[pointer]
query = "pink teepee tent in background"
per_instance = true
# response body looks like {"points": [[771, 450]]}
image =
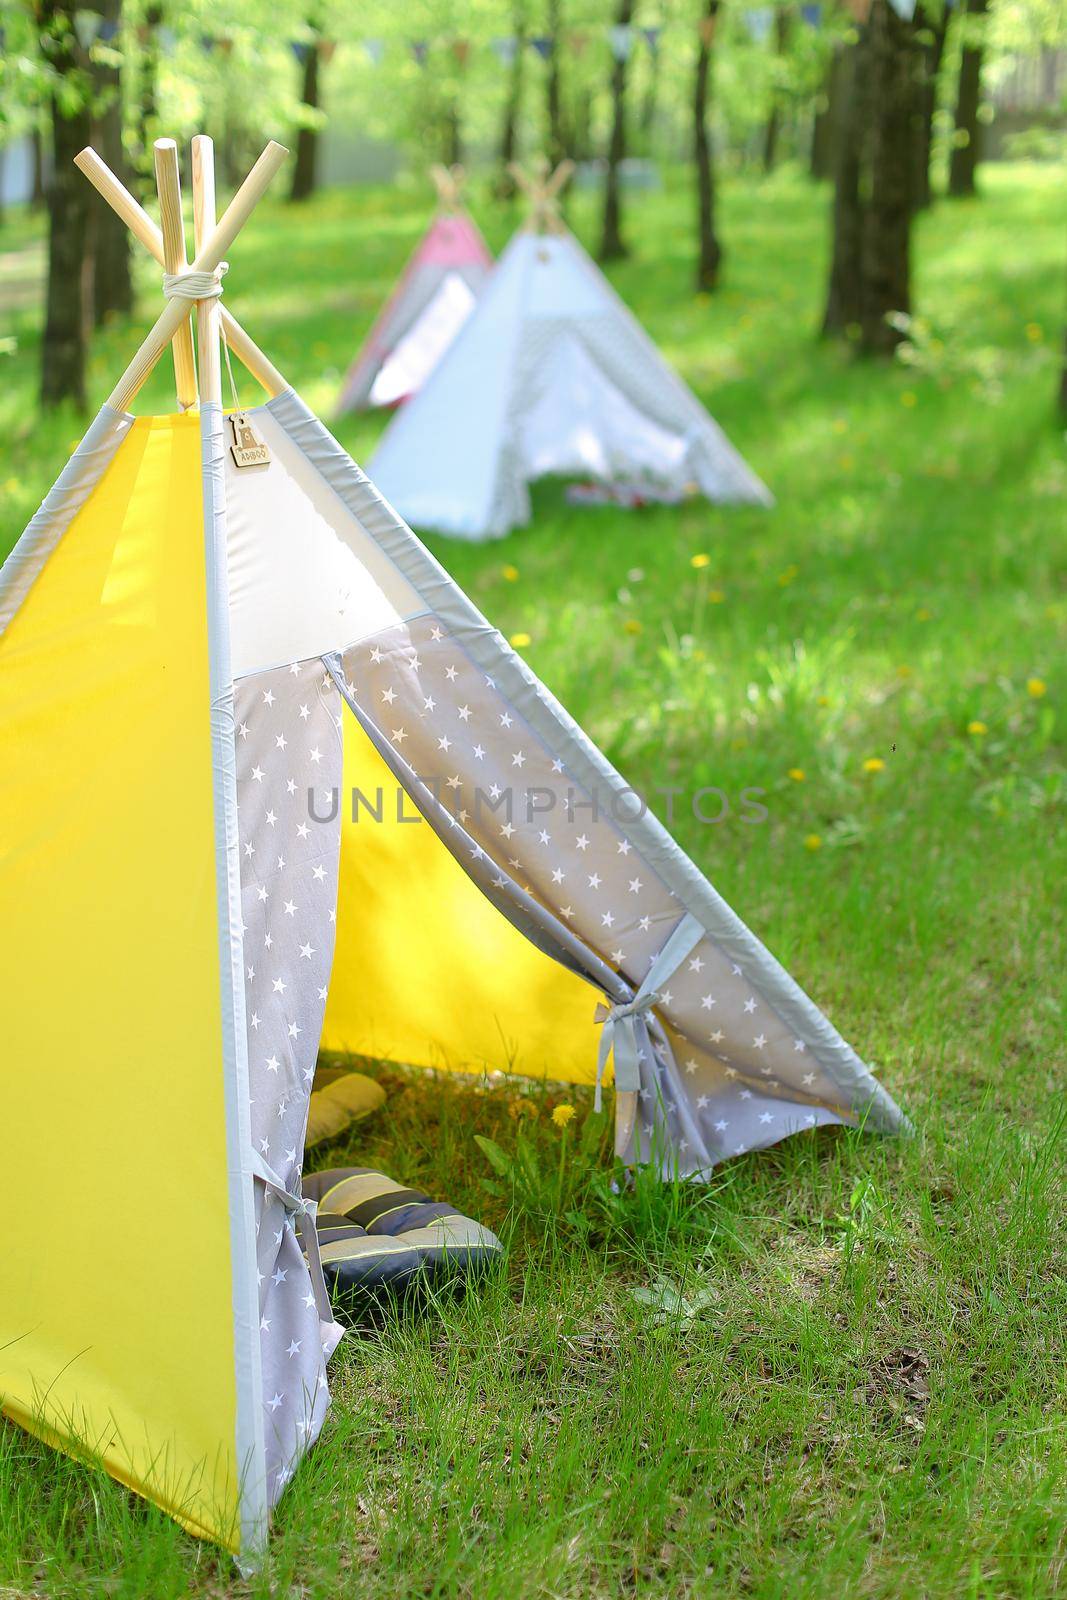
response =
{"points": [[426, 310]]}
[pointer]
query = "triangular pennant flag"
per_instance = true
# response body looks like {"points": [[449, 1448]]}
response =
{"points": [[207, 43], [621, 40], [505, 49], [108, 31], [651, 38], [168, 40], [578, 41], [86, 27], [301, 50], [420, 49], [706, 29], [327, 50], [905, 9], [543, 45], [461, 49], [812, 15], [375, 49], [758, 21]]}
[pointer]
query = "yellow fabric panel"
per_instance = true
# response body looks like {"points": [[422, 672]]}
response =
{"points": [[426, 970], [115, 1274]]}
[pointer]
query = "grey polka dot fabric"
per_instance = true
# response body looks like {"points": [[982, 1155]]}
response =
{"points": [[288, 769], [723, 1074]]}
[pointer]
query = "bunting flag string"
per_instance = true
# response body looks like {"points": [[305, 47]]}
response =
{"points": [[621, 38]]}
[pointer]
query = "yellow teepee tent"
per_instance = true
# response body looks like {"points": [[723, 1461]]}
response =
{"points": [[270, 778]]}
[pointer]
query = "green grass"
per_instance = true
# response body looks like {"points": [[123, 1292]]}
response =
{"points": [[864, 1397]]}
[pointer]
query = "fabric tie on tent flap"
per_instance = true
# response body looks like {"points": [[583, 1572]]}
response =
{"points": [[303, 1210], [187, 285], [620, 1022]]}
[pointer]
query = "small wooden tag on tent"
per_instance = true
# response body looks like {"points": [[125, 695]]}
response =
{"points": [[246, 447]]}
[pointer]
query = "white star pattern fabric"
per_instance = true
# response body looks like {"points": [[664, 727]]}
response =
{"points": [[288, 771], [720, 1071]]}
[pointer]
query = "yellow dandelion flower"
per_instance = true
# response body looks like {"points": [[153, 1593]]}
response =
{"points": [[716, 596], [903, 672], [521, 1108], [922, 615], [797, 774], [874, 764], [1036, 687], [977, 728], [1035, 332], [813, 841], [702, 559], [846, 463], [562, 1115], [909, 398], [11, 485], [822, 700], [839, 425], [788, 575], [510, 573], [632, 625], [520, 640]]}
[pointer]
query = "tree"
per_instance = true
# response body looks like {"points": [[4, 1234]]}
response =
{"points": [[966, 152], [783, 27], [709, 250], [555, 137], [509, 127], [870, 271], [307, 138], [64, 343], [612, 245], [827, 113], [931, 24], [147, 94], [844, 298], [886, 266], [109, 235]]}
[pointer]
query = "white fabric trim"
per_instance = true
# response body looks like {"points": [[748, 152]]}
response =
{"points": [[250, 1442]]}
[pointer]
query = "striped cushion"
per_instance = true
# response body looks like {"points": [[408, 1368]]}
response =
{"points": [[375, 1234]]}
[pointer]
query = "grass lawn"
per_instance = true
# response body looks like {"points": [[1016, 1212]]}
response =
{"points": [[853, 1384]]}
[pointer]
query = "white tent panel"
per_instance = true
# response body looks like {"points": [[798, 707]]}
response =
{"points": [[582, 423], [406, 369], [305, 577]]}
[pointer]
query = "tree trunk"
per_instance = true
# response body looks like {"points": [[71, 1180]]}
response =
{"points": [[452, 153], [38, 197], [307, 138], [887, 235], [844, 298], [650, 101], [147, 107], [966, 151], [509, 128], [824, 122], [930, 45], [112, 286], [709, 251], [612, 244], [772, 127], [63, 345], [556, 141]]}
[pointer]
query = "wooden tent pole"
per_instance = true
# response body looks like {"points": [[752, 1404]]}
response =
{"points": [[169, 189], [208, 321], [206, 260], [143, 228]]}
